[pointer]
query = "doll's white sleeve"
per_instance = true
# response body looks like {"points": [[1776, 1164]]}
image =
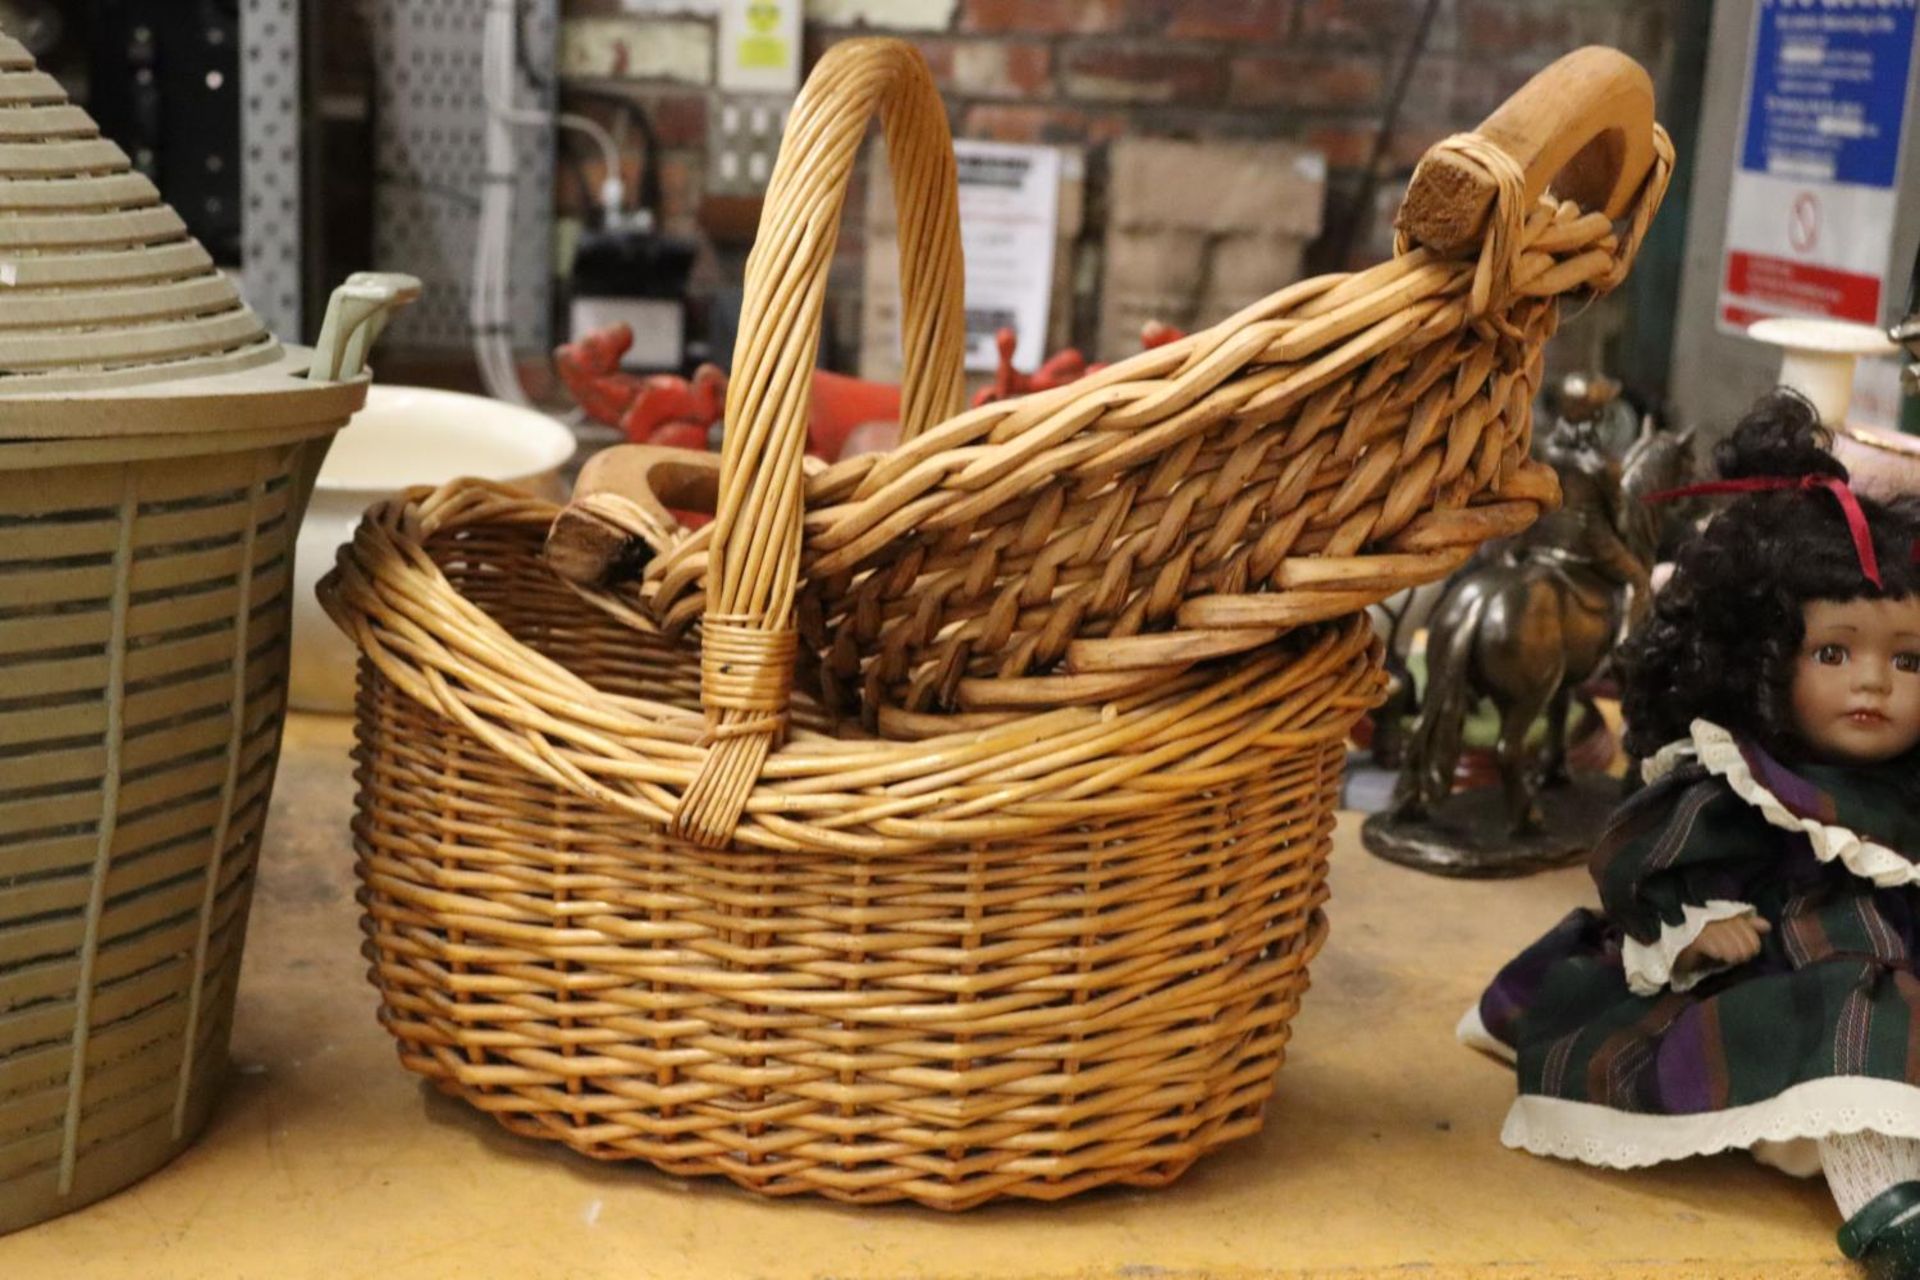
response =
{"points": [[1649, 965]]}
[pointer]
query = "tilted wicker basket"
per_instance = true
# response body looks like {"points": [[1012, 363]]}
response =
{"points": [[1343, 439], [676, 902]]}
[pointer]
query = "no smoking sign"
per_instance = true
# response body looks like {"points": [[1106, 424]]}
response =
{"points": [[1803, 222]]}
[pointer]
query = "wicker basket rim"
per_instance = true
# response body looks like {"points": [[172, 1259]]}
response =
{"points": [[393, 599], [741, 767]]}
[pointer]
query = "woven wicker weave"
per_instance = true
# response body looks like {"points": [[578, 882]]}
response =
{"points": [[1024, 961], [663, 901], [1346, 438]]}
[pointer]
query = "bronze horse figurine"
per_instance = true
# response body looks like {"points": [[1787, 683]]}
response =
{"points": [[1527, 623]]}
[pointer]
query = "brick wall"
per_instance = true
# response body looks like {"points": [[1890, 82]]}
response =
{"points": [[1084, 72]]}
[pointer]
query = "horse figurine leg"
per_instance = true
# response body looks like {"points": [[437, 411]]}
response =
{"points": [[1390, 718], [1433, 751], [1516, 774], [1553, 766], [1523, 661]]}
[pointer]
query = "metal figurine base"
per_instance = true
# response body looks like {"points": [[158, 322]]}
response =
{"points": [[1466, 834]]}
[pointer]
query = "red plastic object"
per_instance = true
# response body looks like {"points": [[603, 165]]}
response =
{"points": [[1059, 368], [1154, 334], [590, 366], [670, 410], [657, 409], [668, 403], [665, 409], [840, 404], [1056, 370], [680, 435]]}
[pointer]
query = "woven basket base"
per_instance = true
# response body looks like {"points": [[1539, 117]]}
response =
{"points": [[961, 1179], [1003, 1009]]}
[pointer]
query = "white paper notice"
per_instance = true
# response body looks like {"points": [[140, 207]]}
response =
{"points": [[1811, 210], [1009, 198]]}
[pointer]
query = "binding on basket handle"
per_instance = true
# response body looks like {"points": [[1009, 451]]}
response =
{"points": [[1583, 126], [748, 642]]}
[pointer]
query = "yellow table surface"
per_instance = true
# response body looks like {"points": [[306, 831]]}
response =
{"points": [[1380, 1155]]}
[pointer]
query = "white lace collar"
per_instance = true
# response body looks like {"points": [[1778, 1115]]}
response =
{"points": [[1718, 750]]}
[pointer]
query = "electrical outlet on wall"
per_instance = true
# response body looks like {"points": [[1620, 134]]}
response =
{"points": [[743, 137]]}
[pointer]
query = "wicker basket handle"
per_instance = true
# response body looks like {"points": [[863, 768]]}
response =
{"points": [[748, 643], [1583, 126]]}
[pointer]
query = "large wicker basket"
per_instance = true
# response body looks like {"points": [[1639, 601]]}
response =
{"points": [[157, 447], [664, 895]]}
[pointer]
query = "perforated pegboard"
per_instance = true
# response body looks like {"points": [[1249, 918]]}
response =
{"points": [[429, 160], [743, 140], [270, 248]]}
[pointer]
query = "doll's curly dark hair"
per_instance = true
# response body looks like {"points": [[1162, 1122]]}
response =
{"points": [[1725, 631]]}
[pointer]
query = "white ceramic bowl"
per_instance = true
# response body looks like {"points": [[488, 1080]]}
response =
{"points": [[405, 436]]}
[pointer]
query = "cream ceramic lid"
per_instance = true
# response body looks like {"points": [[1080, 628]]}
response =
{"points": [[100, 284]]}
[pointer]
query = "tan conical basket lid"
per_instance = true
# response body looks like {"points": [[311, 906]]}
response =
{"points": [[100, 284]]}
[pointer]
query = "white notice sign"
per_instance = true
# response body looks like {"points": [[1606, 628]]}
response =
{"points": [[1811, 209], [1009, 196]]}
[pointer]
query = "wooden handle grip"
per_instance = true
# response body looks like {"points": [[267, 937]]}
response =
{"points": [[1583, 128], [588, 547]]}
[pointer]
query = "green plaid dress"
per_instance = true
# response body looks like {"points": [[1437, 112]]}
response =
{"points": [[1621, 1063]]}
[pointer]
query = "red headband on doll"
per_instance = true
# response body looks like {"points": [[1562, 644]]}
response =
{"points": [[1849, 506]]}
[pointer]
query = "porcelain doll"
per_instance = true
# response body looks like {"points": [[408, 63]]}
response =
{"points": [[1751, 980]]}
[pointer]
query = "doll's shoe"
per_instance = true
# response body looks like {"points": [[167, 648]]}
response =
{"points": [[1885, 1234]]}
